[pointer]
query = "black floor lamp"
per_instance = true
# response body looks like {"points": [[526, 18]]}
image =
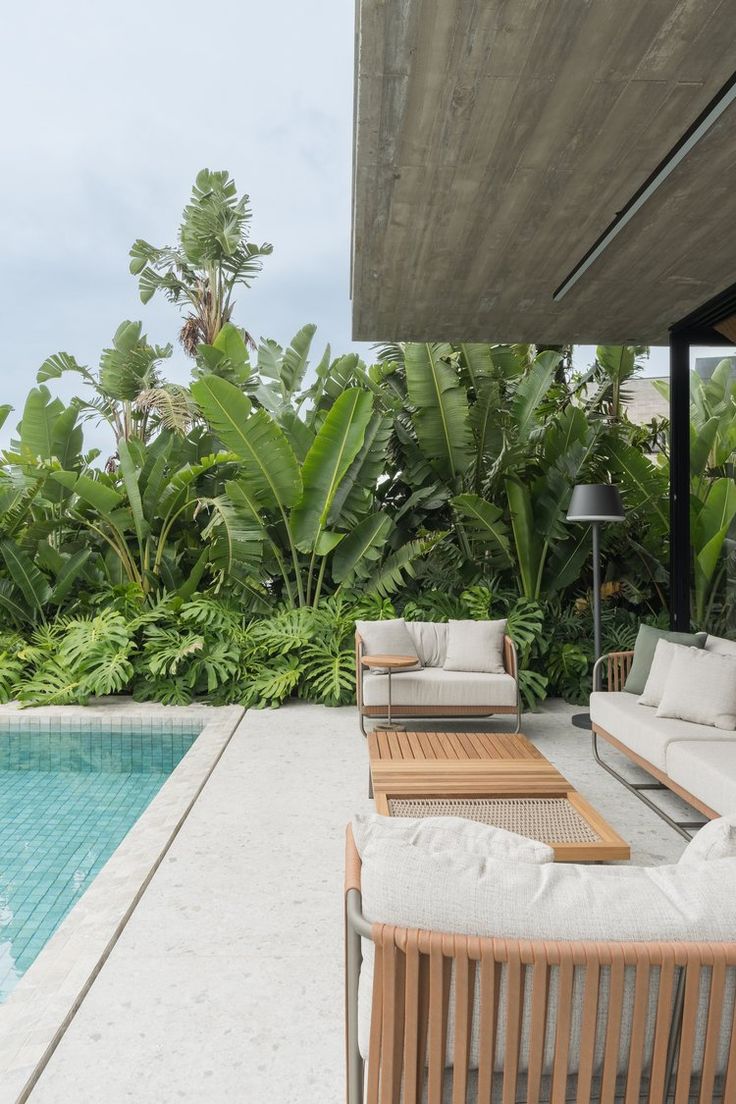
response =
{"points": [[594, 503]]}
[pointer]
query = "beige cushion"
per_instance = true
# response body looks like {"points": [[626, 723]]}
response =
{"points": [[707, 770], [448, 833], [664, 653], [717, 840], [701, 687], [465, 893], [720, 645], [432, 686], [475, 646], [430, 641], [640, 729], [388, 637]]}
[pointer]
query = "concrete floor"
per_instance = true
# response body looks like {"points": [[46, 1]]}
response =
{"points": [[226, 985]]}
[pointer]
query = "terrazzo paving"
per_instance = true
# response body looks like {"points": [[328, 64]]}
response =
{"points": [[226, 985]]}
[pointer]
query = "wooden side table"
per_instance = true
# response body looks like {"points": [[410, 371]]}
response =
{"points": [[390, 663]]}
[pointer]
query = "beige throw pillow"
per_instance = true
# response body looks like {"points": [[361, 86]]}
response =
{"points": [[449, 833], [475, 646], [717, 840], [701, 687], [390, 637], [659, 671]]}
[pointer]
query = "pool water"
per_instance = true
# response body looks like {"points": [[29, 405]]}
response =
{"points": [[67, 799]]}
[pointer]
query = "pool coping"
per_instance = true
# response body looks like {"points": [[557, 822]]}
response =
{"points": [[45, 1000]]}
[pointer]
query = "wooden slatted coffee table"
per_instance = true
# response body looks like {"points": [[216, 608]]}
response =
{"points": [[496, 778]]}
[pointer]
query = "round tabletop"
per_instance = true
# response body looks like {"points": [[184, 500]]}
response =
{"points": [[392, 661]]}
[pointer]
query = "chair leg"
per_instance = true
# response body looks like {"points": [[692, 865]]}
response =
{"points": [[683, 828], [361, 720]]}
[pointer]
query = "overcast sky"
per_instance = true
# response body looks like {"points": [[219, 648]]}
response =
{"points": [[110, 111]]}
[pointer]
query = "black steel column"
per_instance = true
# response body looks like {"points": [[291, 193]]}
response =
{"points": [[680, 482]]}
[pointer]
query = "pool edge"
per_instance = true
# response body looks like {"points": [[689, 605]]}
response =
{"points": [[38, 1012]]}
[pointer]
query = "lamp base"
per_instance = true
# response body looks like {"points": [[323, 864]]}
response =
{"points": [[582, 720]]}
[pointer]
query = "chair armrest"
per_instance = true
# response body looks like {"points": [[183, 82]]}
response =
{"points": [[510, 659], [617, 665], [352, 862]]}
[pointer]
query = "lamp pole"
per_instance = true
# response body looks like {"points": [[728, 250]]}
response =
{"points": [[594, 503], [597, 641]]}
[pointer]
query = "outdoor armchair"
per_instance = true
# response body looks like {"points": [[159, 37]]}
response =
{"points": [[456, 1018]]}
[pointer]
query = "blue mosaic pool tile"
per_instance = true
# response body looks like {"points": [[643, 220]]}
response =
{"points": [[67, 798]]}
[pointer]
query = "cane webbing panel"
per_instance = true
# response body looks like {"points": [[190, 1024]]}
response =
{"points": [[547, 819]]}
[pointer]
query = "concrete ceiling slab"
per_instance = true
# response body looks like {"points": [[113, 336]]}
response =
{"points": [[495, 142]]}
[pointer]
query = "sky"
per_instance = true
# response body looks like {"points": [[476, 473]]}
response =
{"points": [[110, 111]]}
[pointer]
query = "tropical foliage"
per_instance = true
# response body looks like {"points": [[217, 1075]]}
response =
{"points": [[224, 547]]}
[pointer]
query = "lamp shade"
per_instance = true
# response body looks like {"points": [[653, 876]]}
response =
{"points": [[595, 502]]}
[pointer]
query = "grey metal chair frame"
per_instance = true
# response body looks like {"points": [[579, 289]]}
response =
{"points": [[685, 828]]}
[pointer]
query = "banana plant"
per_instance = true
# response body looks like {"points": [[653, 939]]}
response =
{"points": [[213, 257], [317, 512]]}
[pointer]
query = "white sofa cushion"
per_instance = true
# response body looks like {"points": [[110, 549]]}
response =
{"points": [[430, 641], [720, 645], [453, 891], [659, 672], [389, 637], [448, 833], [640, 729], [700, 687], [475, 646], [706, 769], [431, 686], [717, 840]]}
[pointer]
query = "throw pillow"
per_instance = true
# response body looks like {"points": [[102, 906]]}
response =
{"points": [[449, 833], [716, 840], [720, 644], [659, 671], [701, 687], [646, 642], [475, 646], [389, 637]]}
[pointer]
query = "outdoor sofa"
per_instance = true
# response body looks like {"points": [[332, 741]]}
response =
{"points": [[430, 691], [695, 761], [472, 975]]}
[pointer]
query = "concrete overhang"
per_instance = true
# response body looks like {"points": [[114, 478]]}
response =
{"points": [[496, 143]]}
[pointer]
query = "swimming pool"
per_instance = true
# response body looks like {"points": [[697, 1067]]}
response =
{"points": [[68, 796]]}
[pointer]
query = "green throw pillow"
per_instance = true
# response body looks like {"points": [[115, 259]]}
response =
{"points": [[646, 642]]}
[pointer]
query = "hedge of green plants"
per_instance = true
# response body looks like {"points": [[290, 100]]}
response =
{"points": [[223, 544]]}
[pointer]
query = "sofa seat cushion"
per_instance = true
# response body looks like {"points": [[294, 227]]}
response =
{"points": [[707, 770], [640, 729], [720, 645], [459, 892], [433, 687]]}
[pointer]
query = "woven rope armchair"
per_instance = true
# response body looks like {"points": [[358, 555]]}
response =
{"points": [[676, 997]]}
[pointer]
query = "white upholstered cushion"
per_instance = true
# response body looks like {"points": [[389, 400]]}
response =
{"points": [[707, 770], [467, 894], [389, 637], [640, 729], [717, 840], [475, 646], [432, 686], [449, 833], [701, 687], [720, 645], [664, 653], [430, 641]]}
